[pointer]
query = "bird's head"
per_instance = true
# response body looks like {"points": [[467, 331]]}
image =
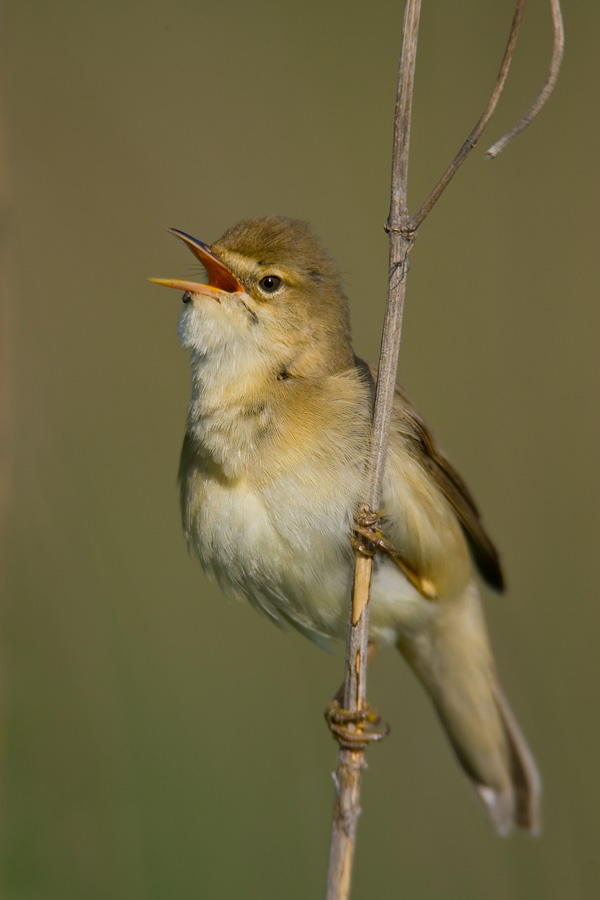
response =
{"points": [[272, 291]]}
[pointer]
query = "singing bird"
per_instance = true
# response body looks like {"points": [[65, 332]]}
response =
{"points": [[273, 470]]}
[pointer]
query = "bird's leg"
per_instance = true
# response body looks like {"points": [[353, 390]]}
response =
{"points": [[365, 527], [338, 719]]}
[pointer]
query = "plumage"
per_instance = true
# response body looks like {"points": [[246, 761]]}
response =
{"points": [[272, 472]]}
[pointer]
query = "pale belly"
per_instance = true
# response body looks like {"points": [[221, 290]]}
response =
{"points": [[296, 568]]}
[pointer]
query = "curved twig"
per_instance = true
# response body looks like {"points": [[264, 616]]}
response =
{"points": [[472, 139], [544, 94]]}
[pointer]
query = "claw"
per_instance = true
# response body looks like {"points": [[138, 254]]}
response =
{"points": [[354, 738], [364, 527]]}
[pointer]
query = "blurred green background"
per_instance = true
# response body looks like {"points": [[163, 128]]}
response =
{"points": [[158, 741]]}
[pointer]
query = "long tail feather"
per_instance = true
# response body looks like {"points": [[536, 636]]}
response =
{"points": [[452, 658]]}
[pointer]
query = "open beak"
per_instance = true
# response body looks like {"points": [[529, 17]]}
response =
{"points": [[220, 279]]}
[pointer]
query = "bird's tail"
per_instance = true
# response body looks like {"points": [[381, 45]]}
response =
{"points": [[452, 658]]}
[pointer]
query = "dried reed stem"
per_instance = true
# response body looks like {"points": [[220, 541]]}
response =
{"points": [[351, 762], [401, 229]]}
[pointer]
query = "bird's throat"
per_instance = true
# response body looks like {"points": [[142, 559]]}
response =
{"points": [[256, 420]]}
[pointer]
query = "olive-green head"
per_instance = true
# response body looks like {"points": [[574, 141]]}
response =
{"points": [[272, 287]]}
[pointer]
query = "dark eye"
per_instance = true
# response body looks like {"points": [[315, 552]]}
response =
{"points": [[270, 283]]}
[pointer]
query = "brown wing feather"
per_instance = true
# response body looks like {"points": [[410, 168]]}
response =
{"points": [[456, 493], [452, 486]]}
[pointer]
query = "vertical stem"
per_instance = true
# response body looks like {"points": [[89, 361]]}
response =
{"points": [[351, 762], [403, 115]]}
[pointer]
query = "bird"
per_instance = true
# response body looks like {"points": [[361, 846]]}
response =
{"points": [[273, 470]]}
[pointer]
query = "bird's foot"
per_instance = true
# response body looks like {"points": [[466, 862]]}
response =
{"points": [[368, 539], [364, 527], [348, 726]]}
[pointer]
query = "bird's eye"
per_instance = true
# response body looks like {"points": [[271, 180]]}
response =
{"points": [[270, 283]]}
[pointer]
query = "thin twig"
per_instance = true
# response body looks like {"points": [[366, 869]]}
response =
{"points": [[351, 762], [544, 94], [488, 112]]}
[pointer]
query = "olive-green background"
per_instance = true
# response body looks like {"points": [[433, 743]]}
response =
{"points": [[158, 741]]}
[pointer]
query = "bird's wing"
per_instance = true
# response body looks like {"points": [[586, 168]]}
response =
{"points": [[424, 449], [456, 492]]}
